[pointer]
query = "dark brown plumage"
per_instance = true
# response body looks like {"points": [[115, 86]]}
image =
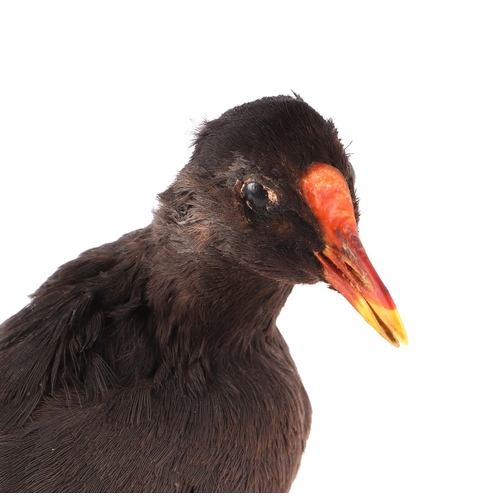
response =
{"points": [[154, 363]]}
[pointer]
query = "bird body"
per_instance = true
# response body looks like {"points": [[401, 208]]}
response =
{"points": [[167, 415], [154, 363]]}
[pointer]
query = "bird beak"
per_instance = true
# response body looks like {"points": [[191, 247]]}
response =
{"points": [[345, 263]]}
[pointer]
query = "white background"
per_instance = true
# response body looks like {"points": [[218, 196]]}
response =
{"points": [[97, 104]]}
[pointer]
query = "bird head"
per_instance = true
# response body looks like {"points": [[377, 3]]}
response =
{"points": [[270, 187]]}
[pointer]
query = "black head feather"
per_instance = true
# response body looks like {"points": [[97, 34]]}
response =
{"points": [[269, 142]]}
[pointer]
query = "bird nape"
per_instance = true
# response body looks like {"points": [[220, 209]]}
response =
{"points": [[154, 364]]}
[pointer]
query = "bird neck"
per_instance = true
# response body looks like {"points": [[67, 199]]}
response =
{"points": [[212, 304]]}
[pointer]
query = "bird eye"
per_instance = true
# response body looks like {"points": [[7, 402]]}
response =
{"points": [[255, 194]]}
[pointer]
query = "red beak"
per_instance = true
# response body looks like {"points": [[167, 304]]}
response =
{"points": [[346, 266]]}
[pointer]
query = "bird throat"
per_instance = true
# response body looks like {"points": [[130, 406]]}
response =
{"points": [[216, 305]]}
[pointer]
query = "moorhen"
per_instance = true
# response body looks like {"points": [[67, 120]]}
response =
{"points": [[154, 364]]}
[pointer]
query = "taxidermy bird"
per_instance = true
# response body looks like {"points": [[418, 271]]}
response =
{"points": [[154, 363]]}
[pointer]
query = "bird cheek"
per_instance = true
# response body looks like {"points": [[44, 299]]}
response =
{"points": [[283, 228]]}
